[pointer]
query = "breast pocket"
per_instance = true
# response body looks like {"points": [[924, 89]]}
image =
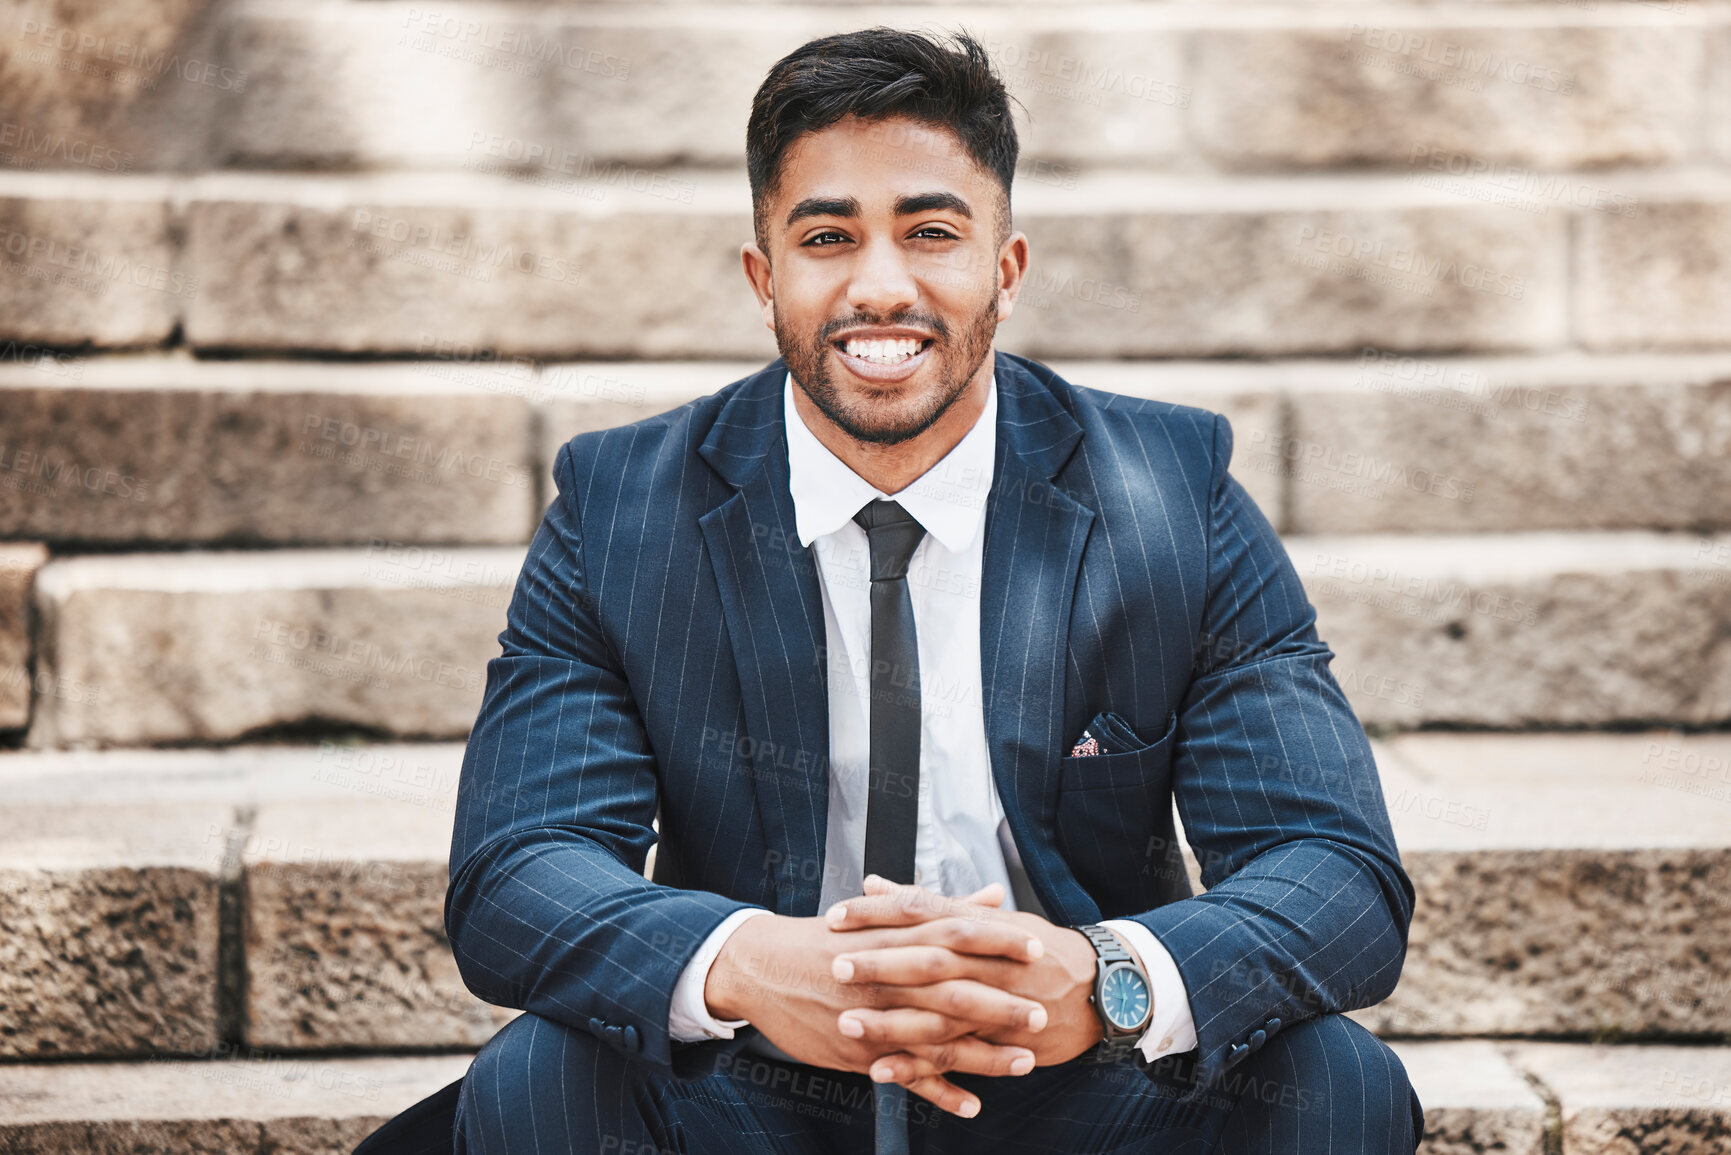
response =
{"points": [[1107, 807]]}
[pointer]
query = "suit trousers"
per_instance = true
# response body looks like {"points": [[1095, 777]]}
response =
{"points": [[1326, 1085]]}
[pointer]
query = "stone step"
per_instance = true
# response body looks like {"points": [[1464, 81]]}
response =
{"points": [[170, 450], [18, 565], [1569, 885], [1479, 1098], [222, 1102], [454, 448], [581, 88], [1125, 265], [1502, 631], [216, 646], [1530, 630]]}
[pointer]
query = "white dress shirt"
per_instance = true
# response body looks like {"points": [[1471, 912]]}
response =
{"points": [[963, 838]]}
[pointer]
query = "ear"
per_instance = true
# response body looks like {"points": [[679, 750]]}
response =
{"points": [[762, 279], [1012, 267]]}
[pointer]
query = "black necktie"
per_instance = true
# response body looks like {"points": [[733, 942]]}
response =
{"points": [[893, 764]]}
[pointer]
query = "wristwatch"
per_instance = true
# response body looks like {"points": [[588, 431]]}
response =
{"points": [[1122, 996]]}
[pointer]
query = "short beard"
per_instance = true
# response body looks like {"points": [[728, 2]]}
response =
{"points": [[809, 364]]}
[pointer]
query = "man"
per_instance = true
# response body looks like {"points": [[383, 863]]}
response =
{"points": [[907, 615]]}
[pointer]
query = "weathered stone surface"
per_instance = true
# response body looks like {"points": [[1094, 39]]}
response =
{"points": [[88, 261], [1391, 89], [1567, 884], [1256, 412], [439, 265], [482, 87], [111, 88], [228, 1106], [110, 910], [576, 101], [1622, 1100], [1719, 91], [214, 646], [582, 397], [178, 451], [1659, 278], [1415, 445], [18, 566], [1474, 1100], [345, 940], [1527, 630], [1126, 270], [1121, 268]]}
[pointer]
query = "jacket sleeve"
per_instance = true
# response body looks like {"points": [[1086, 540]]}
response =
{"points": [[548, 909], [1307, 906]]}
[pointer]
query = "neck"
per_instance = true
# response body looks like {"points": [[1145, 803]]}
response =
{"points": [[892, 468]]}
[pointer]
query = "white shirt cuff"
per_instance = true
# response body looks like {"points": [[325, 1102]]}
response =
{"points": [[1172, 1030], [689, 1020]]}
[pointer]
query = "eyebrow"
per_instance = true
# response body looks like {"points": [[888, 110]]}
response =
{"points": [[905, 206]]}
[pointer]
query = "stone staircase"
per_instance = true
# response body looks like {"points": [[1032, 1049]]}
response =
{"points": [[297, 301]]}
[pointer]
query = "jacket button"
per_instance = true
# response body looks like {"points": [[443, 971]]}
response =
{"points": [[595, 1026], [1238, 1051], [614, 1035], [632, 1042], [1257, 1039]]}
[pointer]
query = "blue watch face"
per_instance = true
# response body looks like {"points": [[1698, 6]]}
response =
{"points": [[1124, 998]]}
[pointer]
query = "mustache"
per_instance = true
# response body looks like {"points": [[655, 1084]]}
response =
{"points": [[909, 317]]}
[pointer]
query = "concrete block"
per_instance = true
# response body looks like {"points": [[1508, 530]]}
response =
{"points": [[1568, 884], [1659, 278], [88, 260], [111, 912], [469, 261], [1128, 271], [1474, 1100], [1400, 88], [216, 646], [344, 937], [175, 451], [233, 1106], [18, 566], [1525, 630], [1617, 1099], [1429, 445]]}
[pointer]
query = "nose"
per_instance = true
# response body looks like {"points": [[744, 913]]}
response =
{"points": [[882, 283]]}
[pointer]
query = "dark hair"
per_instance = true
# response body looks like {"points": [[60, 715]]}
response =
{"points": [[874, 74]]}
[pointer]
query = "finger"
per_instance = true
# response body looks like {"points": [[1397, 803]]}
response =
{"points": [[967, 1053], [966, 936], [900, 1027], [897, 904], [945, 1094], [937, 980], [939, 1090], [991, 894]]}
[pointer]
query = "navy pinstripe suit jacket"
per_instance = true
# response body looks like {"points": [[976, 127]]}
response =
{"points": [[664, 657]]}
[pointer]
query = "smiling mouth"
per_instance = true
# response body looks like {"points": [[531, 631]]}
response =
{"points": [[890, 351]]}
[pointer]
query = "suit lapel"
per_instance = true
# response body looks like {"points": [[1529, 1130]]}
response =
{"points": [[1035, 535], [774, 615]]}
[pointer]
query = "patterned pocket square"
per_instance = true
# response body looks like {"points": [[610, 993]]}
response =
{"points": [[1106, 734]]}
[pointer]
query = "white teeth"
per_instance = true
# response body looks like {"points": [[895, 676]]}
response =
{"points": [[884, 352]]}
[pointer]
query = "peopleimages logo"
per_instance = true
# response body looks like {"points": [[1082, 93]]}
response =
{"points": [[124, 54]]}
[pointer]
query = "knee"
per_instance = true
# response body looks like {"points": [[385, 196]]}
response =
{"points": [[535, 1074], [1328, 1084]]}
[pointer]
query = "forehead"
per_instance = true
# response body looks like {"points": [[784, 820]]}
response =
{"points": [[893, 155]]}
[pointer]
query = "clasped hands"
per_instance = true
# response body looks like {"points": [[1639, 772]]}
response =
{"points": [[908, 985]]}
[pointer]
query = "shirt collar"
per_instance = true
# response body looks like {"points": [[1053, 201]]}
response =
{"points": [[949, 499]]}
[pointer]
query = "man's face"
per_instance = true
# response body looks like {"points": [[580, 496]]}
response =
{"points": [[884, 281]]}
